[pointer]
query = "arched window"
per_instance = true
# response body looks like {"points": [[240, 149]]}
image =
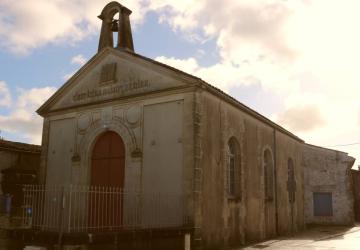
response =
{"points": [[233, 169], [291, 183], [268, 175]]}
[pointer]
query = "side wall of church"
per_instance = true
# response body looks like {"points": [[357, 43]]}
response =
{"points": [[250, 217], [287, 148], [327, 174]]}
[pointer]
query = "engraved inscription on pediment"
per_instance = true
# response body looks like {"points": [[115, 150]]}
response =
{"points": [[108, 74], [123, 86]]}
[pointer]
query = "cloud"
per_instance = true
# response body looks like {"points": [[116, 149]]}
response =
{"points": [[295, 50], [189, 65], [5, 98], [79, 60], [22, 119], [26, 25], [302, 119], [251, 38]]}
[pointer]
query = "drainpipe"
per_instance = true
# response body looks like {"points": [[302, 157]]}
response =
{"points": [[275, 180]]}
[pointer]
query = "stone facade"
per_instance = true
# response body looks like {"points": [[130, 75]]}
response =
{"points": [[205, 119], [328, 172], [355, 174]]}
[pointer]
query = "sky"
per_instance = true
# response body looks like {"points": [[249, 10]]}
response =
{"points": [[293, 61]]}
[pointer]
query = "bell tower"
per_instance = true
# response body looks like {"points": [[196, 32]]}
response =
{"points": [[120, 27]]}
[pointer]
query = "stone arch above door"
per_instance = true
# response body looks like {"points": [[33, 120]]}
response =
{"points": [[90, 137], [108, 160]]}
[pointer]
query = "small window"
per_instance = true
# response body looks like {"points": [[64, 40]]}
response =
{"points": [[233, 169], [268, 175], [323, 204]]}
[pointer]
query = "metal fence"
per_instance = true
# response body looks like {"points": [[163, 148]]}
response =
{"points": [[92, 208]]}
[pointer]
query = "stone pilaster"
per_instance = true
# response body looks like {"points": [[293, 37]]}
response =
{"points": [[197, 188], [44, 151]]}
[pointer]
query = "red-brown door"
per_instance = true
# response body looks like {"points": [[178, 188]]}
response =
{"points": [[107, 180]]}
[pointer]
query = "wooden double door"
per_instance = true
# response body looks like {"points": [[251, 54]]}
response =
{"points": [[107, 181]]}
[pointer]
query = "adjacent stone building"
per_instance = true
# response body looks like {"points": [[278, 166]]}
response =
{"points": [[355, 174], [328, 186], [16, 155], [127, 121], [19, 165]]}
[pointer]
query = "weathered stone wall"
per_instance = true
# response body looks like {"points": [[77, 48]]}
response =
{"points": [[328, 171], [8, 159], [355, 174], [290, 217], [19, 155], [73, 133], [85, 124], [227, 221]]}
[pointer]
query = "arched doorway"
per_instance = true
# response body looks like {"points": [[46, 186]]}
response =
{"points": [[107, 182], [108, 161]]}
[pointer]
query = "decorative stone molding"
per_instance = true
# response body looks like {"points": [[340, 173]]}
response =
{"points": [[118, 113], [83, 122], [44, 151], [96, 116], [76, 158], [132, 115], [197, 116], [137, 153], [88, 141]]}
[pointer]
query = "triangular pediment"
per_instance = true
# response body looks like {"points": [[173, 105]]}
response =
{"points": [[114, 74]]}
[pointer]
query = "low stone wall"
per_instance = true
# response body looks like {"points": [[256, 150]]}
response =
{"points": [[169, 239], [355, 174]]}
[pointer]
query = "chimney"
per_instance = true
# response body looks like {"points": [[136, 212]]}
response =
{"points": [[121, 26]]}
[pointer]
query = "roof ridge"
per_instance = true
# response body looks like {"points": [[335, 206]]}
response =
{"points": [[19, 146], [224, 94]]}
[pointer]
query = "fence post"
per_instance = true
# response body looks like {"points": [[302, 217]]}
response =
{"points": [[69, 212], [61, 224], [187, 241], [24, 205]]}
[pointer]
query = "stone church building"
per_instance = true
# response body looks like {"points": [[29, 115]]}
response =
{"points": [[220, 168]]}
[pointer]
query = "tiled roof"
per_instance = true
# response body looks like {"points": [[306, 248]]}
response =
{"points": [[19, 146]]}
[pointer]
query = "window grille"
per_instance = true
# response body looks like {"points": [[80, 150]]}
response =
{"points": [[108, 74], [291, 183], [322, 204], [233, 169], [268, 175]]}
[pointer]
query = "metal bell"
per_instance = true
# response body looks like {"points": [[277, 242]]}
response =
{"points": [[115, 26]]}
